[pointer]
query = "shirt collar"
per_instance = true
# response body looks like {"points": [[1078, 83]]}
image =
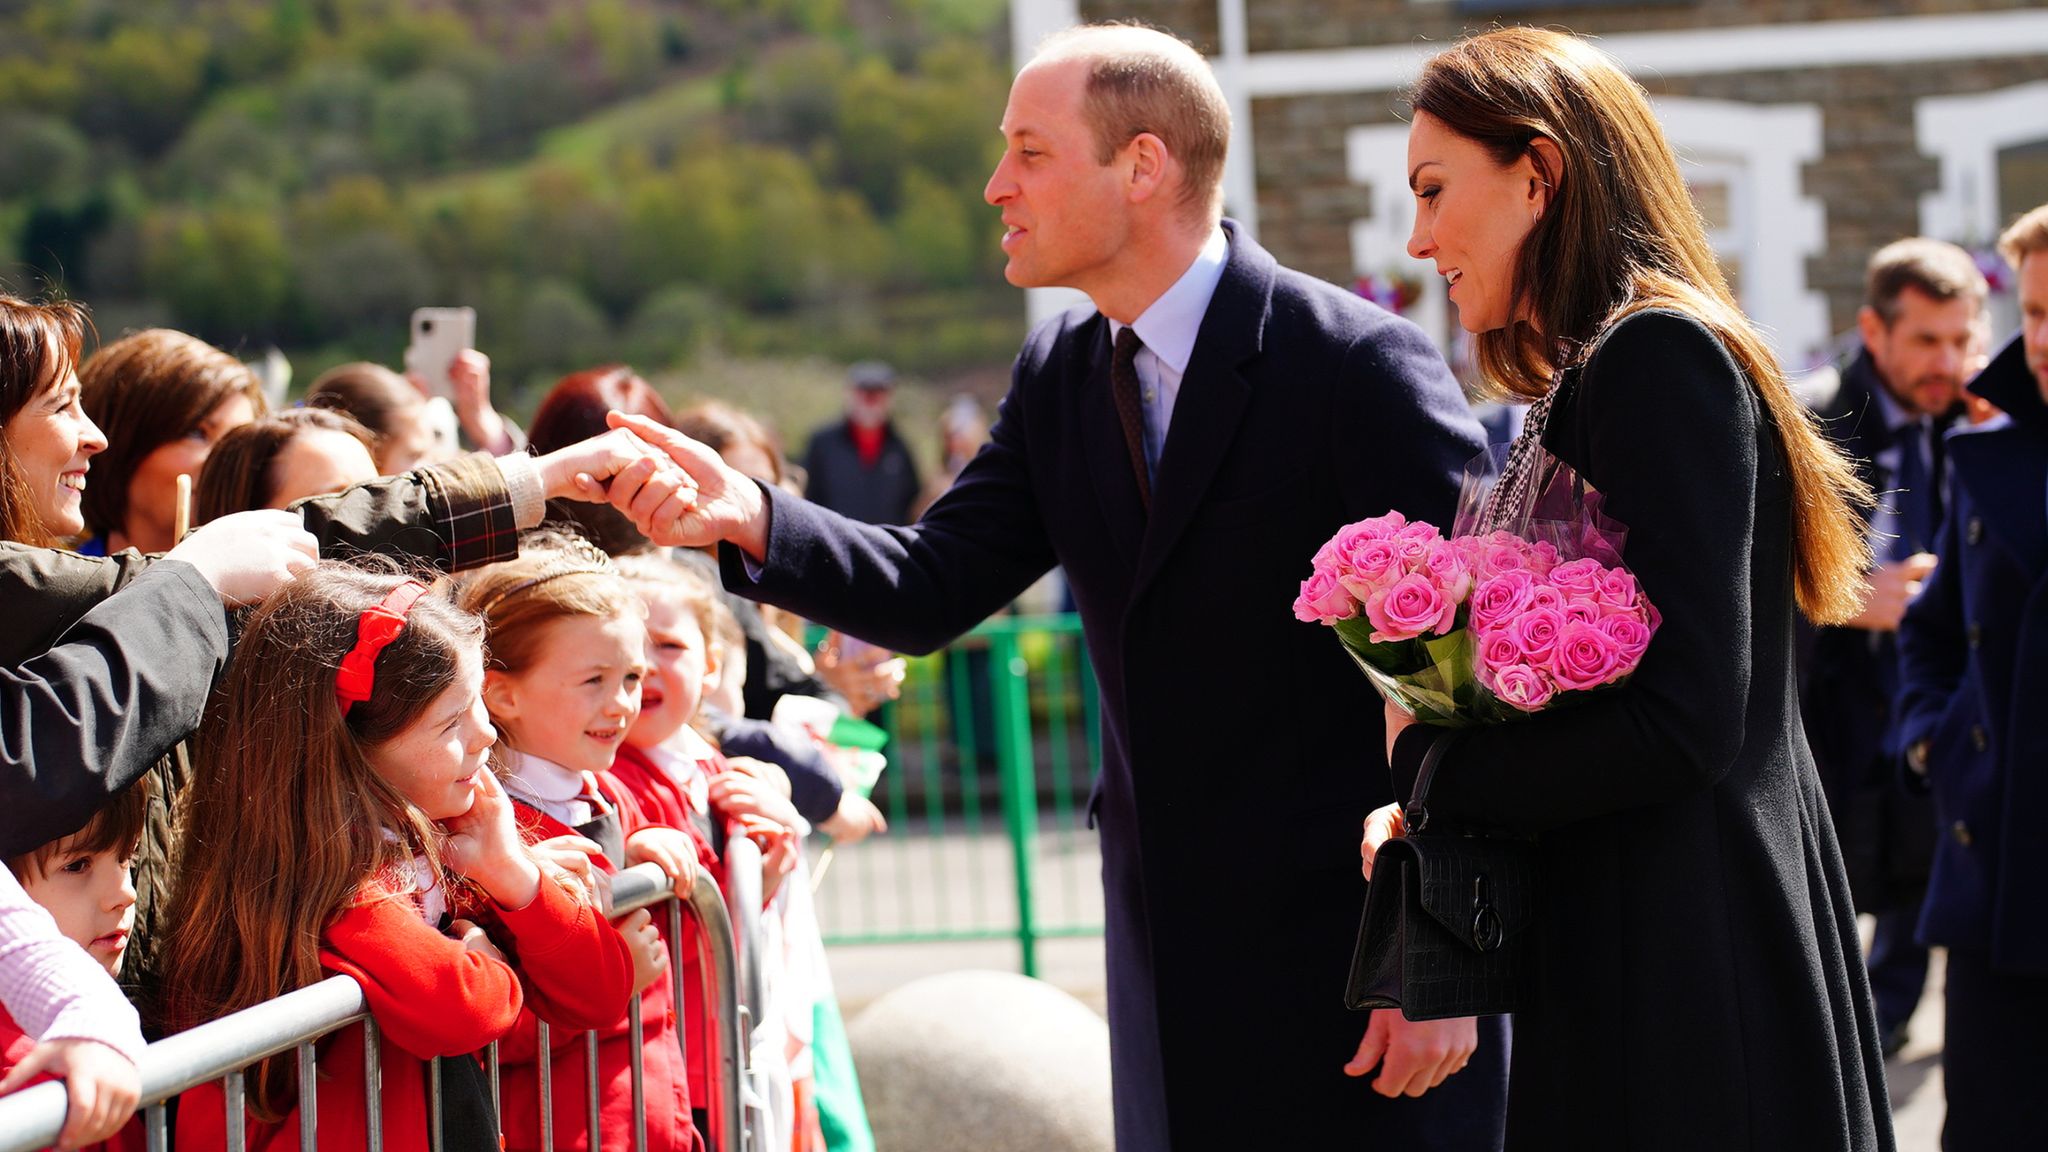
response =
{"points": [[545, 779], [1895, 416], [1170, 325]]}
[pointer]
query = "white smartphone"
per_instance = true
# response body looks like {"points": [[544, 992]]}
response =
{"points": [[437, 335]]}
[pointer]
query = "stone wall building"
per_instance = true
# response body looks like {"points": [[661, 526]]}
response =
{"points": [[1813, 131]]}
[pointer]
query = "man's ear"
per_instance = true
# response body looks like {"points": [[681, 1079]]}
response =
{"points": [[1546, 161], [1870, 326], [1151, 166]]}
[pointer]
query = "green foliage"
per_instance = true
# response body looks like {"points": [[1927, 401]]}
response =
{"points": [[605, 180]]}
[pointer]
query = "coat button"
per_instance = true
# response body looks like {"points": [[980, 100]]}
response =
{"points": [[1975, 633], [1976, 530], [1978, 739], [1960, 832]]}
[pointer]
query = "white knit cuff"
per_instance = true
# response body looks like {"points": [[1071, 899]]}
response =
{"points": [[522, 484]]}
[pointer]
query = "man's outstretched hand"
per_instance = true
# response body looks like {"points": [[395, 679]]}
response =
{"points": [[704, 503]]}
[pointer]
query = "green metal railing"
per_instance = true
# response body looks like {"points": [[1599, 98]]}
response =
{"points": [[993, 749]]}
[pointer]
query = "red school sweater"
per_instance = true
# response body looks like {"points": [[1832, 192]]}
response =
{"points": [[15, 1045], [665, 1081], [430, 997], [664, 803]]}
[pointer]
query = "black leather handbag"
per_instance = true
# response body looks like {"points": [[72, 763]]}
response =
{"points": [[1447, 913]]}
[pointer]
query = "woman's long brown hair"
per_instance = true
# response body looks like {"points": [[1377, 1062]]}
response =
{"points": [[1620, 234], [39, 346], [285, 824]]}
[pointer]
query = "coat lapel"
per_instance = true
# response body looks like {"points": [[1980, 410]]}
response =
{"points": [[1213, 395], [1102, 441], [2008, 467]]}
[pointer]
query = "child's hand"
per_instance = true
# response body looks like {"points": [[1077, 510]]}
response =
{"points": [[762, 770], [103, 1085], [484, 845], [672, 850], [571, 855], [650, 958], [735, 794], [474, 940], [856, 819], [778, 851]]}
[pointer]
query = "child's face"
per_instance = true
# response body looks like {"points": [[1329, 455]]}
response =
{"points": [[91, 897], [435, 761], [574, 703], [677, 660]]}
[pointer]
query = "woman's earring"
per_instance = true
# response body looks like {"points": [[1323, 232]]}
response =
{"points": [[1536, 217]]}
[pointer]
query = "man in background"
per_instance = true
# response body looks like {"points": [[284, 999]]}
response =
{"points": [[859, 467]]}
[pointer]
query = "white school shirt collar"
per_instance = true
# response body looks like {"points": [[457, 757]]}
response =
{"points": [[1169, 326], [548, 786]]}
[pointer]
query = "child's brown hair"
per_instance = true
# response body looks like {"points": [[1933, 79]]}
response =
{"points": [[286, 824], [558, 575], [118, 825]]}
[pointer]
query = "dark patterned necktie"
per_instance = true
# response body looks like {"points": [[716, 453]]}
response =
{"points": [[1130, 409]]}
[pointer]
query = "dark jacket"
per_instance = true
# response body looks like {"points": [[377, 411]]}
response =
{"points": [[1971, 647], [445, 517], [1239, 753], [1848, 684], [883, 493], [1694, 937]]}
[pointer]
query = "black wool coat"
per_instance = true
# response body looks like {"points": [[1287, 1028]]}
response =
{"points": [[1699, 980], [1240, 748]]}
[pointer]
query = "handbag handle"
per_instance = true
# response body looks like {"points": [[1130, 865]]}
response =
{"points": [[1415, 813]]}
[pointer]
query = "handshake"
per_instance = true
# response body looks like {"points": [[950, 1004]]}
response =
{"points": [[676, 491]]}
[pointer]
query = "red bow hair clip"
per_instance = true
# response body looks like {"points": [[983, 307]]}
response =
{"points": [[377, 627]]}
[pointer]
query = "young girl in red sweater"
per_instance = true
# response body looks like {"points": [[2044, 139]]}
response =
{"points": [[342, 810], [568, 646]]}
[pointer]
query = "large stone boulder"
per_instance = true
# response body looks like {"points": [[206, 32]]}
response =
{"points": [[987, 1061]]}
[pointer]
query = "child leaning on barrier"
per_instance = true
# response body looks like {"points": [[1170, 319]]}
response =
{"points": [[74, 890], [568, 644], [344, 820]]}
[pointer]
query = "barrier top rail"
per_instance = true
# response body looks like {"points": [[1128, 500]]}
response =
{"points": [[31, 1118]]}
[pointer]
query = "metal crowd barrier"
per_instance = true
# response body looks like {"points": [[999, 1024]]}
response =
{"points": [[220, 1050]]}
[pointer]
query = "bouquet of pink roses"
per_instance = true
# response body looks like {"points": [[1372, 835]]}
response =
{"points": [[1488, 625]]}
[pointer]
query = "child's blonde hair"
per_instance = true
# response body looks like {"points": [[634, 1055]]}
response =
{"points": [[556, 576]]}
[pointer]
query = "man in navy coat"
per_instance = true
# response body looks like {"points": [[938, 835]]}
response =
{"points": [[1921, 323], [1182, 448], [1974, 677]]}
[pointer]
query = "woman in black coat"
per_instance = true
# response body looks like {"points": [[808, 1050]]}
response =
{"points": [[1698, 983]]}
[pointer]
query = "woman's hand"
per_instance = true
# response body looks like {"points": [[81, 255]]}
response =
{"points": [[484, 845], [669, 849], [739, 793], [856, 819], [643, 940], [1383, 825], [1398, 720], [707, 503], [103, 1086], [1413, 1056]]}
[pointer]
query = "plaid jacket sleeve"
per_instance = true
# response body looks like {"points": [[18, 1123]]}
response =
{"points": [[449, 516]]}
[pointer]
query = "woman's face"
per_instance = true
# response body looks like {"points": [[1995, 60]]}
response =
{"points": [[153, 490], [316, 462], [1471, 216], [51, 442], [407, 443]]}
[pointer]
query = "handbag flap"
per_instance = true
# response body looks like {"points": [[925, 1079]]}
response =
{"points": [[1475, 885]]}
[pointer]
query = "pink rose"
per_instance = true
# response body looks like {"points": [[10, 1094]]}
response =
{"points": [[1495, 599], [1371, 566], [1522, 687], [1535, 632], [1630, 635], [1495, 650], [1617, 590], [1582, 612], [1577, 577], [1585, 657], [1413, 542], [1407, 608], [1323, 599], [1445, 564], [1546, 597], [1542, 557], [1498, 558], [1377, 527]]}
